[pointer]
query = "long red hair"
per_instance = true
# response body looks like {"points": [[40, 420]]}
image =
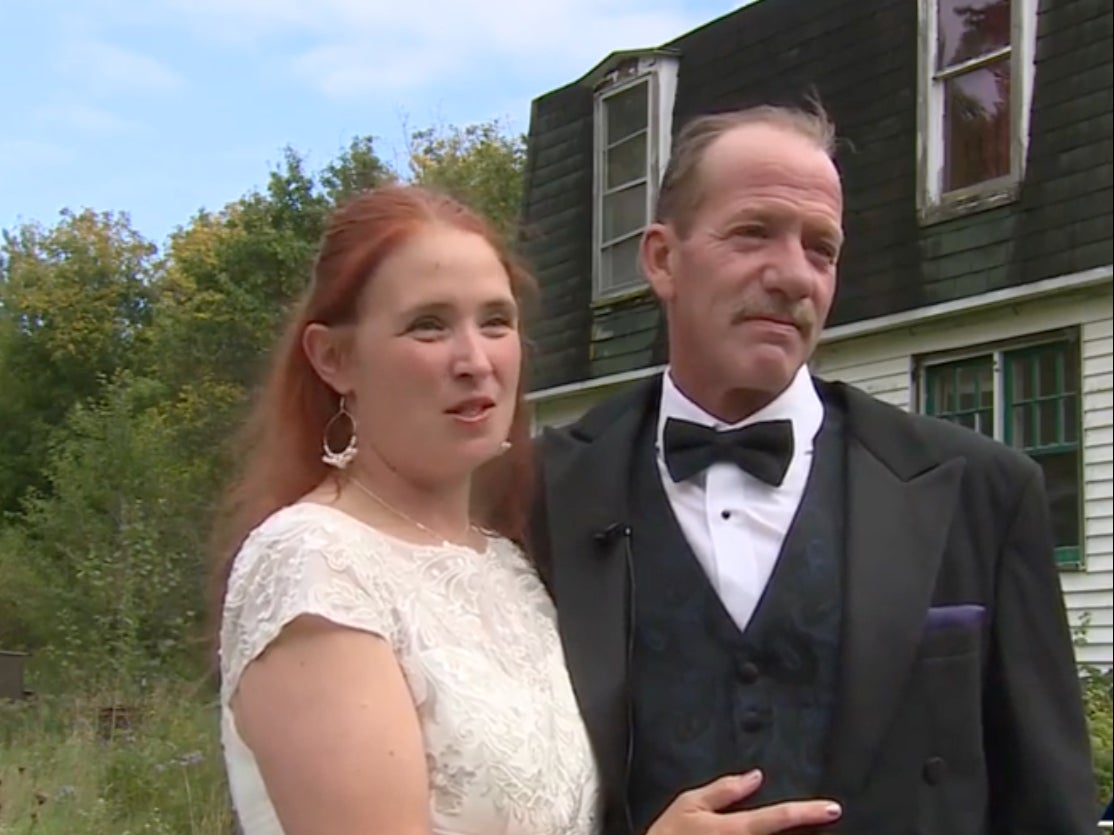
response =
{"points": [[282, 439]]}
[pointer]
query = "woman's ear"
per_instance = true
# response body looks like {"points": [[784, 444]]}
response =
{"points": [[327, 350]]}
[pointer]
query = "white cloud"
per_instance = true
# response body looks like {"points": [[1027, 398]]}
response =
{"points": [[358, 47], [340, 70], [88, 119], [25, 154], [106, 65]]}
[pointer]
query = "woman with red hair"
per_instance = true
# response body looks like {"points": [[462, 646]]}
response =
{"points": [[389, 658]]}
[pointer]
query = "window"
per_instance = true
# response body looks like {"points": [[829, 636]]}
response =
{"points": [[1027, 397], [624, 208], [634, 107], [976, 74]]}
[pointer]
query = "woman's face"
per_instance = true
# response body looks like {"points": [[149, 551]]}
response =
{"points": [[433, 362]]}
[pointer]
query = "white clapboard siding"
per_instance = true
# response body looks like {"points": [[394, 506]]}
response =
{"points": [[888, 378], [1084, 592], [883, 364]]}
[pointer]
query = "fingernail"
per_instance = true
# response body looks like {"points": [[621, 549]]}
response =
{"points": [[752, 776], [833, 810]]}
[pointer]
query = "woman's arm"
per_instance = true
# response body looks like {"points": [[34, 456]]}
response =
{"points": [[329, 717]]}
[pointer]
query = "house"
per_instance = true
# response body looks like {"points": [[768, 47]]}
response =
{"points": [[976, 280]]}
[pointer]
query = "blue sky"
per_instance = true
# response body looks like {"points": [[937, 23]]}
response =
{"points": [[161, 107]]}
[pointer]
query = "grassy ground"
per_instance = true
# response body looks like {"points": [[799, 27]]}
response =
{"points": [[66, 768], [158, 771]]}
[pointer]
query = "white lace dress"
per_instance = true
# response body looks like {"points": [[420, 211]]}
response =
{"points": [[476, 639]]}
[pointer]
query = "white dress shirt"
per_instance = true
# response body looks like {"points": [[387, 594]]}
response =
{"points": [[735, 523]]}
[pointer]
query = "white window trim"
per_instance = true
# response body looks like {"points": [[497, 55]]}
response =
{"points": [[932, 203], [660, 73], [996, 351]]}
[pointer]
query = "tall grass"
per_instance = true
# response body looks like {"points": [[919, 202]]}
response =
{"points": [[69, 767], [157, 769]]}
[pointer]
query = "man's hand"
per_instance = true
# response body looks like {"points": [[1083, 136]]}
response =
{"points": [[696, 811]]}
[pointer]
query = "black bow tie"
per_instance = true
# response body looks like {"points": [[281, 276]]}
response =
{"points": [[762, 449]]}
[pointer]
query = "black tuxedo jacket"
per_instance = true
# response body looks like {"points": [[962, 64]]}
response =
{"points": [[959, 709]]}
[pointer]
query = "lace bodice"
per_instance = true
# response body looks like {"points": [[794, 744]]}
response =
{"points": [[476, 639]]}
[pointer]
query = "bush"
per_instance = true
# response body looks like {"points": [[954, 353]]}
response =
{"points": [[1098, 687], [109, 565]]}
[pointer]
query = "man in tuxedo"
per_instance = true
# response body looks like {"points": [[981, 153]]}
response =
{"points": [[754, 568]]}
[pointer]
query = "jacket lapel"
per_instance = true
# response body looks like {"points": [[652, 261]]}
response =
{"points": [[586, 477], [900, 502]]}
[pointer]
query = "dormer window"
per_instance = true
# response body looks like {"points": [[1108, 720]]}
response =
{"points": [[633, 127]]}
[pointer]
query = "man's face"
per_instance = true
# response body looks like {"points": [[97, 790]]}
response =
{"points": [[749, 285]]}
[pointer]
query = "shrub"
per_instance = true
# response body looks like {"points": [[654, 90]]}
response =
{"points": [[1099, 704]]}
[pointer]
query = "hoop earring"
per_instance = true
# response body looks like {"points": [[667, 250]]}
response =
{"points": [[341, 459]]}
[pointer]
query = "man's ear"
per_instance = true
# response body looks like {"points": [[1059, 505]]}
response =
{"points": [[657, 254], [327, 350]]}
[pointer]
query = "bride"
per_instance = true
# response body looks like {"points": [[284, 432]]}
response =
{"points": [[389, 658]]}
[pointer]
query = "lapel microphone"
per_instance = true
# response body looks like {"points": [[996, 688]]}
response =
{"points": [[611, 533]]}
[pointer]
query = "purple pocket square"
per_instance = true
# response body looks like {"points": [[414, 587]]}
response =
{"points": [[965, 615]]}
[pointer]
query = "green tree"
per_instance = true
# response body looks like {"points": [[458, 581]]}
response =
{"points": [[115, 546], [233, 275], [481, 164], [356, 169], [74, 299]]}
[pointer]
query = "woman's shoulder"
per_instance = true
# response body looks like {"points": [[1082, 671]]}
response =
{"points": [[306, 515], [306, 533], [315, 531], [307, 559]]}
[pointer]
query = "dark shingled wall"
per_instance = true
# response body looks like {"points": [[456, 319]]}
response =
{"points": [[861, 58]]}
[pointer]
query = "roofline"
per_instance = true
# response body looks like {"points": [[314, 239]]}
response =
{"points": [[599, 72], [665, 50]]}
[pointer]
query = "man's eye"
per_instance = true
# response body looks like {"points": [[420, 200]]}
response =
{"points": [[751, 231]]}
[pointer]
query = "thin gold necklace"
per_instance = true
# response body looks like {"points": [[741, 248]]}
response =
{"points": [[405, 517]]}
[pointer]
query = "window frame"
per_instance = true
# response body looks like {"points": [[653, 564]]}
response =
{"points": [[659, 74], [933, 203], [1068, 558]]}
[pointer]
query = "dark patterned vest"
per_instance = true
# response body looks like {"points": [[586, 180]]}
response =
{"points": [[709, 700]]}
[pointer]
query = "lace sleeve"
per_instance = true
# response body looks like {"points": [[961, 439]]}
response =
{"points": [[302, 566]]}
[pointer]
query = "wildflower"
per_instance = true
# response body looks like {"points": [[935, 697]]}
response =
{"points": [[192, 758]]}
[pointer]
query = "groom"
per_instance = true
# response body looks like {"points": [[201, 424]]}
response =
{"points": [[755, 568]]}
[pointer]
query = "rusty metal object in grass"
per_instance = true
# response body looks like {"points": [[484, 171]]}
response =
{"points": [[116, 721], [11, 676]]}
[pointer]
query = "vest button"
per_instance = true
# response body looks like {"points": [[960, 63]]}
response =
{"points": [[752, 723], [725, 514], [934, 770], [748, 672]]}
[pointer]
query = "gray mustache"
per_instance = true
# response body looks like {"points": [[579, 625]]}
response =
{"points": [[799, 313]]}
